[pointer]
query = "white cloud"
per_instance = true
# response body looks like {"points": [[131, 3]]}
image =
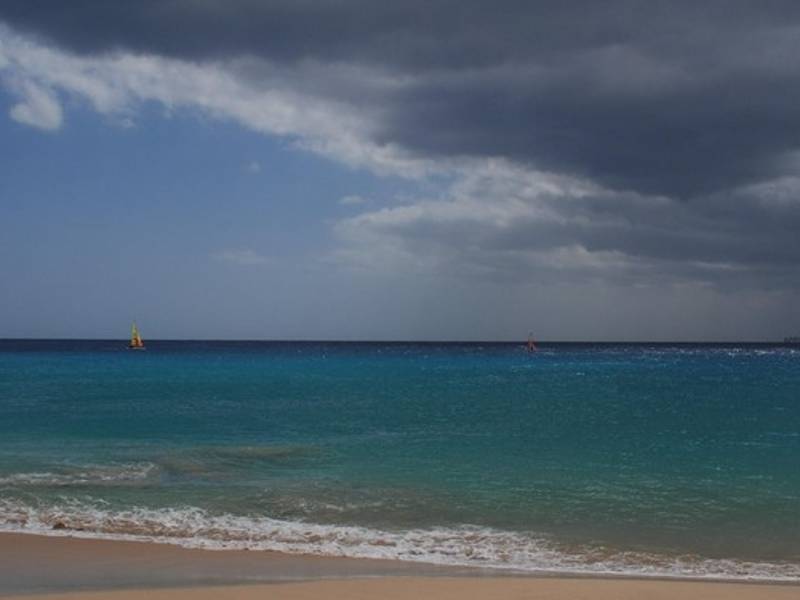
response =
{"points": [[496, 219], [38, 107], [126, 123], [461, 231], [275, 103], [502, 222], [352, 200], [245, 257], [253, 167]]}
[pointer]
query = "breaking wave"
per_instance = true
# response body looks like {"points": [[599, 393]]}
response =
{"points": [[132, 473], [458, 546]]}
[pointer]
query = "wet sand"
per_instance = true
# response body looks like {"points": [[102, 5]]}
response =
{"points": [[35, 563], [63, 568]]}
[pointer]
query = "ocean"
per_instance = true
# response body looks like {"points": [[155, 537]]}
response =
{"points": [[672, 460]]}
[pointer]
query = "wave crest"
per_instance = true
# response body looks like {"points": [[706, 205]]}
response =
{"points": [[131, 473], [457, 546]]}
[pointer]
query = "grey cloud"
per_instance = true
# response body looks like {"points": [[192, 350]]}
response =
{"points": [[678, 98], [682, 113], [745, 238], [416, 33]]}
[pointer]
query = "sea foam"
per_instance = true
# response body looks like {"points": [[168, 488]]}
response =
{"points": [[128, 473], [468, 546]]}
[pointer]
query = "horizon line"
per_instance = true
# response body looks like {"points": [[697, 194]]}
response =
{"points": [[399, 341]]}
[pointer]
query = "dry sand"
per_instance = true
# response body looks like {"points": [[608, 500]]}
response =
{"points": [[456, 588]]}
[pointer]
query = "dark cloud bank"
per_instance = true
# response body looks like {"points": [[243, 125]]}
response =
{"points": [[697, 102]]}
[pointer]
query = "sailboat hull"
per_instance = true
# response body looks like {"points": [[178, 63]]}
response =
{"points": [[136, 339]]}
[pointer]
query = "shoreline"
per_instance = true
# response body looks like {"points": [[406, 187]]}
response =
{"points": [[35, 563], [69, 567], [386, 565]]}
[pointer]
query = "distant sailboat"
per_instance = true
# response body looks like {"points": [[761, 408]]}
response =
{"points": [[136, 339], [531, 345]]}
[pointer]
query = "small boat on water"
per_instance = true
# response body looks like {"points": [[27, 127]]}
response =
{"points": [[136, 342], [531, 344]]}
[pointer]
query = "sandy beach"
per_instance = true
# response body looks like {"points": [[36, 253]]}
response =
{"points": [[73, 569], [48, 564], [462, 588], [401, 301]]}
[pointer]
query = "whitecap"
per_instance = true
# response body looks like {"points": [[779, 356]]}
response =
{"points": [[458, 546]]}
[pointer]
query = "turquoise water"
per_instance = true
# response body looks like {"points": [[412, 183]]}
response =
{"points": [[644, 459]]}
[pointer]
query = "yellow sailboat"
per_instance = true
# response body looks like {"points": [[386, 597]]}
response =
{"points": [[136, 339]]}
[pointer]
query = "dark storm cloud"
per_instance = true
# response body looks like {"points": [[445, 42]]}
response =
{"points": [[677, 98], [744, 239], [686, 113], [413, 33]]}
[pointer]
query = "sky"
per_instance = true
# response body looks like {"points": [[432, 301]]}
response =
{"points": [[439, 170]]}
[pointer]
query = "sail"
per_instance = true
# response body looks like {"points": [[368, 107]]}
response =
{"points": [[531, 343], [136, 339]]}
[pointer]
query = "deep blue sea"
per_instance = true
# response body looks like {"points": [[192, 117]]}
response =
{"points": [[648, 459]]}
